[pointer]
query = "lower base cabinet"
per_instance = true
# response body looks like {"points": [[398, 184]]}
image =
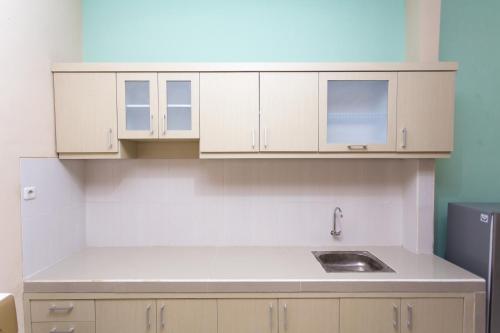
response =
{"points": [[439, 315], [62, 327], [125, 316], [309, 315], [187, 316], [369, 315], [247, 315]]}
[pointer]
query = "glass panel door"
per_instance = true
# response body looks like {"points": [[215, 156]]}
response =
{"points": [[357, 111], [179, 100], [137, 105]]}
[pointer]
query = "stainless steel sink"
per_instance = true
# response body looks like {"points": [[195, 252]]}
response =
{"points": [[350, 261]]}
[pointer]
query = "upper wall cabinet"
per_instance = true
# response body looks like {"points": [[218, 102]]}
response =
{"points": [[85, 112], [289, 112], [229, 112], [357, 112], [137, 95], [426, 107], [179, 105]]}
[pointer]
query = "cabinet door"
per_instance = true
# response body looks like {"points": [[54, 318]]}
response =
{"points": [[289, 112], [85, 108], [126, 316], [309, 315], [137, 95], [432, 315], [229, 112], [357, 112], [178, 105], [426, 107], [187, 316], [359, 315], [247, 315]]}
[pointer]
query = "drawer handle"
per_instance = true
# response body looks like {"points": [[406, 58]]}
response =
{"points": [[357, 147], [55, 330], [54, 308]]}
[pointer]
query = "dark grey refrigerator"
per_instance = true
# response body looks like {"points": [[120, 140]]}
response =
{"points": [[473, 243]]}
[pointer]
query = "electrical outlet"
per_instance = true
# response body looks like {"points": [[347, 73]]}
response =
{"points": [[29, 193]]}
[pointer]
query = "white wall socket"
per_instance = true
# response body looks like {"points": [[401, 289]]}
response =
{"points": [[29, 193]]}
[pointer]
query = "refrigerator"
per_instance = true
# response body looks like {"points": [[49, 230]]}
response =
{"points": [[473, 243]]}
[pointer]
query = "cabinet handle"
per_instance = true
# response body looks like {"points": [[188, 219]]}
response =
{"points": [[148, 317], [409, 322], [265, 137], [55, 330], [357, 147], [54, 308], [285, 317], [151, 125], [395, 321], [271, 317], [110, 138], [164, 123], [253, 138], [162, 316], [404, 131]]}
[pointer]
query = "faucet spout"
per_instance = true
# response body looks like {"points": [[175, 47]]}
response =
{"points": [[336, 231]]}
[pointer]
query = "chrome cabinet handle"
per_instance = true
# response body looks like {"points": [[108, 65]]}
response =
{"points": [[285, 315], [148, 316], [357, 147], [265, 137], [55, 330], [404, 131], [409, 322], [164, 123], [253, 138], [151, 125], [54, 308], [110, 138], [395, 321], [271, 317], [162, 316]]}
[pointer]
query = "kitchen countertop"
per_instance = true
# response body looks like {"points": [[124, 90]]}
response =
{"points": [[244, 269]]}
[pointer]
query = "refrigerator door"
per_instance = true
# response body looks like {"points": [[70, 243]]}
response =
{"points": [[494, 286]]}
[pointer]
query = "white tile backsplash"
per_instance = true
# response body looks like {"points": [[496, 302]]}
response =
{"points": [[242, 202]]}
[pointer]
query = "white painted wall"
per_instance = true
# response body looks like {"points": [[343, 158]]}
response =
{"points": [[33, 34], [53, 223], [245, 202]]}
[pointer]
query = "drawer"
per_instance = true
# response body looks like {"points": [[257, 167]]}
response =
{"points": [[59, 327], [62, 310]]}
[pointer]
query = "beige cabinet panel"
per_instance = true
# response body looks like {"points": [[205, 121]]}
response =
{"points": [[432, 315], [85, 112], [426, 107], [137, 99], [178, 95], [229, 112], [309, 315], [247, 315], [362, 315], [187, 316], [126, 316], [62, 310], [76, 327], [289, 112], [357, 112]]}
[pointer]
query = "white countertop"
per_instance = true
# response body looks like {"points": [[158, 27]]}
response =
{"points": [[244, 269]]}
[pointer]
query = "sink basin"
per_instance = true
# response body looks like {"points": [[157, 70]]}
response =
{"points": [[350, 261]]}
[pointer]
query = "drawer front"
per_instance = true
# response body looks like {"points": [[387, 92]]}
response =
{"points": [[62, 310], [63, 327]]}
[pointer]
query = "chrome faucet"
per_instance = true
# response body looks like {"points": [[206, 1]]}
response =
{"points": [[336, 232]]}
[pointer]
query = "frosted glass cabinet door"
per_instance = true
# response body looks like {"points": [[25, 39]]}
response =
{"points": [[179, 105], [357, 112], [137, 95]]}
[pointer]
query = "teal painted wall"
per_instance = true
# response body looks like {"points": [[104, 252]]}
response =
{"points": [[238, 30], [470, 34]]}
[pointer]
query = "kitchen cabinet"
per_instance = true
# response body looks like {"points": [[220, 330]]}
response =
{"points": [[432, 315], [178, 95], [229, 112], [374, 315], [426, 106], [76, 327], [289, 112], [309, 315], [137, 98], [126, 316], [357, 112], [187, 316], [247, 315], [85, 112]]}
